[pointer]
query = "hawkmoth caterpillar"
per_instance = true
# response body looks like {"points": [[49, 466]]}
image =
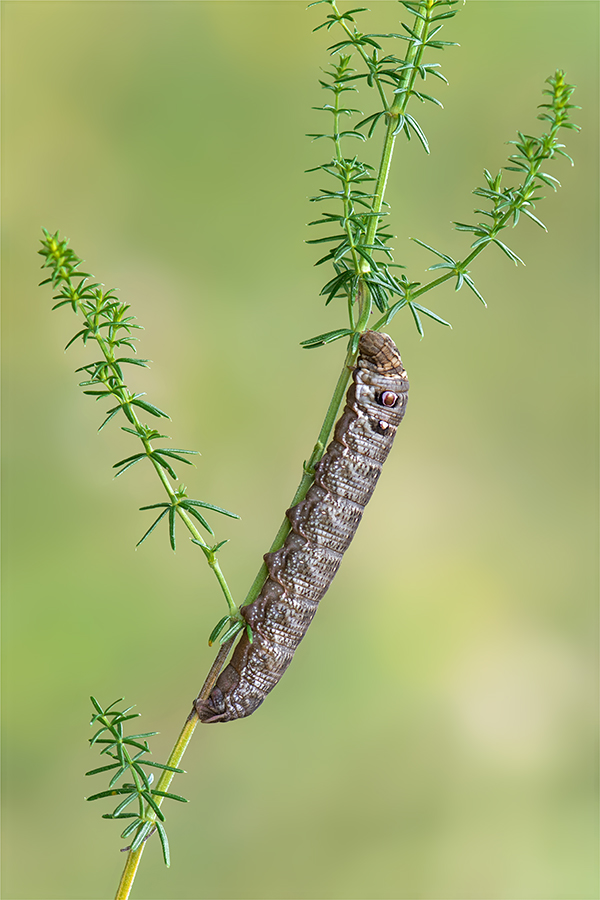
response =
{"points": [[322, 527]]}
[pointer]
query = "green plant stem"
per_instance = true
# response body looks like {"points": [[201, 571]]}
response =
{"points": [[452, 274], [397, 109], [364, 305], [361, 50], [501, 223], [134, 856], [346, 200], [122, 395], [309, 467], [214, 565]]}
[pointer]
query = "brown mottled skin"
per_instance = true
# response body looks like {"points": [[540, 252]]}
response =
{"points": [[322, 527]]}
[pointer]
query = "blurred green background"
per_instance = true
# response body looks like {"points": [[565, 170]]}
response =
{"points": [[435, 736]]}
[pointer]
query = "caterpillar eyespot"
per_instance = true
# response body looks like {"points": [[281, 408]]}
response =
{"points": [[388, 398], [322, 527]]}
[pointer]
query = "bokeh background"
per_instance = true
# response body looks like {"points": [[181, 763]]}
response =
{"points": [[435, 736]]}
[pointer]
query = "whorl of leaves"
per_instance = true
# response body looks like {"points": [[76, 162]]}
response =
{"points": [[129, 753], [358, 239]]}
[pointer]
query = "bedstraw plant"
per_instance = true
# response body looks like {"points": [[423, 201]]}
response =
{"points": [[392, 71], [118, 746]]}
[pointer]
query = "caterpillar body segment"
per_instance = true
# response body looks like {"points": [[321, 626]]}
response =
{"points": [[322, 527]]}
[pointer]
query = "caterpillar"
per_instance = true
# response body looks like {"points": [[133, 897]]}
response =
{"points": [[322, 527]]}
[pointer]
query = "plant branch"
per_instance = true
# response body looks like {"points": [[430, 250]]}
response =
{"points": [[395, 114], [101, 312], [508, 203], [134, 856]]}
